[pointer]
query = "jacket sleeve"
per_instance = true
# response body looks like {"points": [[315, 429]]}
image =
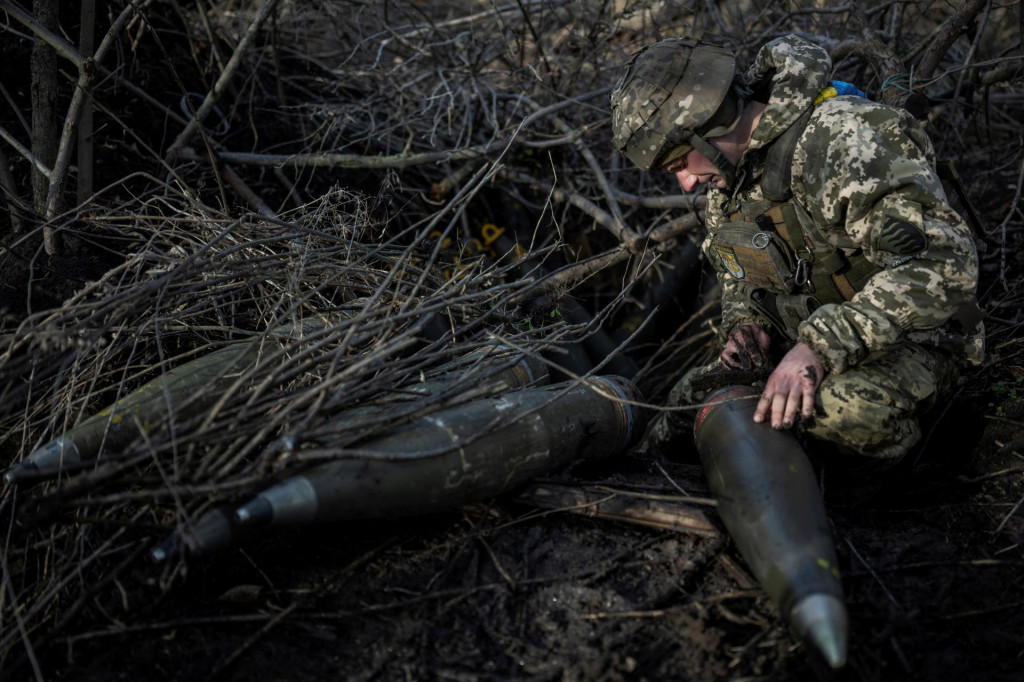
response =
{"points": [[867, 179], [736, 308]]}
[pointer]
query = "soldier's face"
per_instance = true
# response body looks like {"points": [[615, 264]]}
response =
{"points": [[695, 169]]}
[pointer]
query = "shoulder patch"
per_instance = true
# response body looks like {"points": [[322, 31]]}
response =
{"points": [[901, 238], [727, 257]]}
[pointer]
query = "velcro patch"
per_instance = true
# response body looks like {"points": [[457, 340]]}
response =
{"points": [[901, 238]]}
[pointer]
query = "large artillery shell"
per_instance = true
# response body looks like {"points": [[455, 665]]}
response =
{"points": [[464, 454], [491, 369], [770, 503], [187, 390], [193, 387], [184, 391], [452, 457]]}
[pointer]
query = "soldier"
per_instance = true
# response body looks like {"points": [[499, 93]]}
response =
{"points": [[829, 230]]}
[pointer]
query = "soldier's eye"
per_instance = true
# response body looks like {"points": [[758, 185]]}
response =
{"points": [[674, 167]]}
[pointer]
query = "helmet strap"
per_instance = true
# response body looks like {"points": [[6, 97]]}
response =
{"points": [[715, 156]]}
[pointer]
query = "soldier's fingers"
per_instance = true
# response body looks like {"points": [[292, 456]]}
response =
{"points": [[808, 401], [779, 401], [763, 339], [763, 406], [750, 345], [793, 404]]}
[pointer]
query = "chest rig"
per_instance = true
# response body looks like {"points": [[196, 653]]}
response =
{"points": [[785, 266]]}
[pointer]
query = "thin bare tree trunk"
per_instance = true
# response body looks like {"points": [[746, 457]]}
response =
{"points": [[86, 46], [45, 123], [9, 190]]}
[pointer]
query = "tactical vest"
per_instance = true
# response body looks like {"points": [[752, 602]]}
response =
{"points": [[785, 265]]}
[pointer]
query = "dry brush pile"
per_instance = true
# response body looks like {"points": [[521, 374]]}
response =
{"points": [[405, 182]]}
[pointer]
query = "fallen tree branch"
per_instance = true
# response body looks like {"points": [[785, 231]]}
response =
{"points": [[384, 161], [669, 513], [574, 273], [689, 202], [675, 227], [332, 160]]}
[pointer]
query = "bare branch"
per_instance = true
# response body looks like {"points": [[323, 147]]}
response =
{"points": [[945, 35], [25, 152], [63, 47], [225, 77], [66, 146]]}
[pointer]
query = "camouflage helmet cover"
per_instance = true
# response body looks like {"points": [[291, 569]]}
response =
{"points": [[666, 93]]}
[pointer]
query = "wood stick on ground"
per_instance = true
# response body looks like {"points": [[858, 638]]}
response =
{"points": [[574, 273], [643, 510], [332, 160]]}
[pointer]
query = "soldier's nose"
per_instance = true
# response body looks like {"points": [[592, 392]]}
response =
{"points": [[686, 180]]}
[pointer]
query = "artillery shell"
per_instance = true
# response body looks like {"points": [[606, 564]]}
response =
{"points": [[460, 455], [188, 388], [770, 503], [491, 370]]}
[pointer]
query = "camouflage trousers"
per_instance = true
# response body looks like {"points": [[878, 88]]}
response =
{"points": [[872, 409]]}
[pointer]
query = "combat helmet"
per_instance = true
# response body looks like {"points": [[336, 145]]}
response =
{"points": [[671, 97]]}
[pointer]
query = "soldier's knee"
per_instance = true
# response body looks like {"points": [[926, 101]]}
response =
{"points": [[866, 419]]}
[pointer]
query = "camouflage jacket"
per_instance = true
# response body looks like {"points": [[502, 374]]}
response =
{"points": [[861, 172]]}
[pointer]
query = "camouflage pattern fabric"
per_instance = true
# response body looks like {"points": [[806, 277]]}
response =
{"points": [[873, 408], [865, 173], [667, 91], [798, 70]]}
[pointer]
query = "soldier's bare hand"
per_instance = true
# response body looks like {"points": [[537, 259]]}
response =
{"points": [[791, 388], [747, 347]]}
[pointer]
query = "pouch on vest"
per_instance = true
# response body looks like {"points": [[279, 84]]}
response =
{"points": [[758, 257], [786, 311]]}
